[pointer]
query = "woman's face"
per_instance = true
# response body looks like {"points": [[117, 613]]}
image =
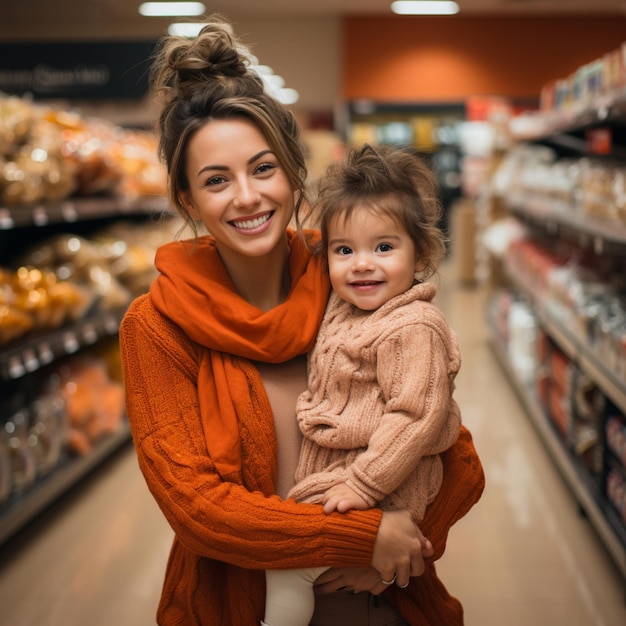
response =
{"points": [[238, 189]]}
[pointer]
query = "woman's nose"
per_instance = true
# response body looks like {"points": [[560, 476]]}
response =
{"points": [[245, 194]]}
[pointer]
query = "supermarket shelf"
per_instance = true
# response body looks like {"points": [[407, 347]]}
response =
{"points": [[601, 235], [612, 387], [600, 515], [21, 509], [32, 354], [78, 209], [607, 110]]}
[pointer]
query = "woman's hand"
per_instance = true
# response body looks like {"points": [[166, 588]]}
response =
{"points": [[355, 579], [400, 548]]}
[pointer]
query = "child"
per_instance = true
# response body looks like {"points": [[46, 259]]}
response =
{"points": [[379, 408]]}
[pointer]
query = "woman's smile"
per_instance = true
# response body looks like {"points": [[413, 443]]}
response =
{"points": [[252, 225]]}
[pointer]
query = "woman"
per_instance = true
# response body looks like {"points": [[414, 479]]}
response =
{"points": [[215, 357]]}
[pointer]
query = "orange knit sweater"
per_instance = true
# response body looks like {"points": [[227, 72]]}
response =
{"points": [[228, 525]]}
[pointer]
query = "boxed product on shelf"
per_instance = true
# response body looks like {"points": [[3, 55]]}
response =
{"points": [[616, 490], [573, 403], [558, 371], [61, 412], [603, 77], [522, 341], [588, 415], [577, 298], [94, 401], [616, 434]]}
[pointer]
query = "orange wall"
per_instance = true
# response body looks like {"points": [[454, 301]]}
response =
{"points": [[444, 59]]}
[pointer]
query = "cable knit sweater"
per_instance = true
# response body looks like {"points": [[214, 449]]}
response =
{"points": [[228, 525], [379, 408]]}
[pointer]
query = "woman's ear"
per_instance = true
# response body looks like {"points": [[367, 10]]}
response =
{"points": [[190, 207]]}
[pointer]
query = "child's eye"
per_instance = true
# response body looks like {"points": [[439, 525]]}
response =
{"points": [[343, 250], [385, 247]]}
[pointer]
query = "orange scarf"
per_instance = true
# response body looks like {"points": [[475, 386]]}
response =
{"points": [[194, 290]]}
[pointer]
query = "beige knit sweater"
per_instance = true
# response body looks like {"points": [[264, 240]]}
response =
{"points": [[379, 408]]}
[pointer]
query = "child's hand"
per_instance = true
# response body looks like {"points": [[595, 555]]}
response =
{"points": [[342, 498]]}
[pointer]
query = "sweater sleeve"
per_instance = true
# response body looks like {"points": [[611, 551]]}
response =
{"points": [[462, 487], [213, 518], [413, 372]]}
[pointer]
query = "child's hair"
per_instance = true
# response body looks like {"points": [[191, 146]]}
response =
{"points": [[388, 181], [210, 77]]}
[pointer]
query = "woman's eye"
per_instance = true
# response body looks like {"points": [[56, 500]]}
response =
{"points": [[214, 180], [385, 247], [264, 168]]}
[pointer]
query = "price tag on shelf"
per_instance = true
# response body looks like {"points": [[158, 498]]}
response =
{"points": [[6, 219], [16, 368], [31, 363], [89, 334], [40, 216], [598, 245], [69, 213], [45, 353], [599, 141], [70, 343], [110, 325]]}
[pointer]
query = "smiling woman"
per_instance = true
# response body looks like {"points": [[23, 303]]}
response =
{"points": [[244, 199]]}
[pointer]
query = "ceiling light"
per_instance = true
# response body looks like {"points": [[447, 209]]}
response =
{"points": [[288, 96], [185, 29], [425, 7], [160, 9]]}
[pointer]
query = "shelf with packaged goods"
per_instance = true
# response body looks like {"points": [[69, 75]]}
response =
{"points": [[601, 235], [20, 509], [595, 507], [567, 128], [24, 360], [573, 347], [77, 209], [29, 355]]}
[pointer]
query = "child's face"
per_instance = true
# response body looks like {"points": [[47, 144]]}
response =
{"points": [[371, 258]]}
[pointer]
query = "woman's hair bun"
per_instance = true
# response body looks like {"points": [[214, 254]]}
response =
{"points": [[215, 54]]}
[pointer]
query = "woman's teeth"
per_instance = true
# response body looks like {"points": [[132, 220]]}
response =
{"points": [[255, 223]]}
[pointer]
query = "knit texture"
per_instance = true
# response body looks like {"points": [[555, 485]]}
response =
{"points": [[379, 408], [237, 330], [228, 531]]}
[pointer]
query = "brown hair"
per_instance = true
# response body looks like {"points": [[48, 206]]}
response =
{"points": [[207, 78], [389, 181]]}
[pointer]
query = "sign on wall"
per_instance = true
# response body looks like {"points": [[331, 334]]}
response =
{"points": [[83, 71]]}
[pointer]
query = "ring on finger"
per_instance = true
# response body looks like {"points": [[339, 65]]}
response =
{"points": [[389, 582]]}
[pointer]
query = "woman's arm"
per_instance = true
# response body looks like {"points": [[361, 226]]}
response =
{"points": [[463, 484]]}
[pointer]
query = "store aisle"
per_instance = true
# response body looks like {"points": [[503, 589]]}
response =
{"points": [[523, 556]]}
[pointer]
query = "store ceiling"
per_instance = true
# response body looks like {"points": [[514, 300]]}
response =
{"points": [[28, 19]]}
